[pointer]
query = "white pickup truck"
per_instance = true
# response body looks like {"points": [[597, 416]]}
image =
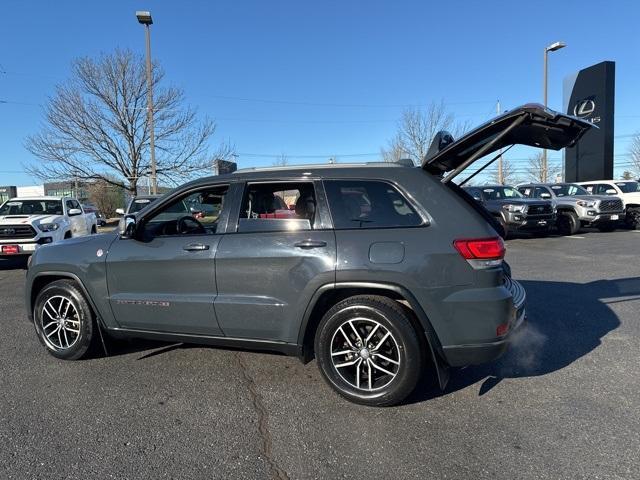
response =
{"points": [[27, 223], [627, 190]]}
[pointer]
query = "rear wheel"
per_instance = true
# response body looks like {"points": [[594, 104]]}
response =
{"points": [[64, 321], [568, 223], [368, 350]]}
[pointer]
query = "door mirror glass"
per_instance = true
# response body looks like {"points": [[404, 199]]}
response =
{"points": [[477, 198], [74, 211], [127, 226], [120, 211], [610, 191], [545, 195]]}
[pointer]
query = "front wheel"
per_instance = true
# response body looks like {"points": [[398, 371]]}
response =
{"points": [[64, 321], [568, 223], [368, 350], [633, 219]]}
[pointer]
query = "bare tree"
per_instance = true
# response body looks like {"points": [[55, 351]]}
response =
{"points": [[634, 151], [281, 161], [535, 169], [96, 126], [417, 128], [106, 196], [509, 173]]}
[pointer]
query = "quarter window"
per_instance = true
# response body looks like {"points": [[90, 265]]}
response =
{"points": [[369, 204], [276, 207]]}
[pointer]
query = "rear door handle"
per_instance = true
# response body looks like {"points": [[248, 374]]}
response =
{"points": [[195, 247], [310, 244]]}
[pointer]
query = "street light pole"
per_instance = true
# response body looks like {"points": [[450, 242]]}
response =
{"points": [[551, 48], [145, 19]]}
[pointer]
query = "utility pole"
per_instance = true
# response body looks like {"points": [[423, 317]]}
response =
{"points": [[551, 48], [500, 174], [145, 19]]}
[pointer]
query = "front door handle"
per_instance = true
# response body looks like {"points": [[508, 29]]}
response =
{"points": [[310, 244], [195, 247]]}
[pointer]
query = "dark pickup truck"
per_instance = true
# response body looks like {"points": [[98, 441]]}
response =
{"points": [[514, 211]]}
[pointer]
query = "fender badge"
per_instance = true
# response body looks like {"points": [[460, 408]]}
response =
{"points": [[99, 253]]}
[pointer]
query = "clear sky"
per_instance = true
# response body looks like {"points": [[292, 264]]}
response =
{"points": [[317, 79]]}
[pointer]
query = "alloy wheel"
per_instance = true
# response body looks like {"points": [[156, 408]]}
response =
{"points": [[60, 323], [365, 354]]}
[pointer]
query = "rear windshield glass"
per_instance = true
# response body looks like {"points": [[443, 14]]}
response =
{"points": [[32, 207], [369, 204]]}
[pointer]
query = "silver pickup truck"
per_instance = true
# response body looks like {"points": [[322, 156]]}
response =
{"points": [[576, 207]]}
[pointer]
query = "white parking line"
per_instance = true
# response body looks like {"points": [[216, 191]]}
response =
{"points": [[574, 236]]}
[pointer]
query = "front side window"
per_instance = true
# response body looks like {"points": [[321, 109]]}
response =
{"points": [[194, 214], [274, 207], [369, 204]]}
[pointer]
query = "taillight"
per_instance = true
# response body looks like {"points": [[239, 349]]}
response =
{"points": [[481, 252]]}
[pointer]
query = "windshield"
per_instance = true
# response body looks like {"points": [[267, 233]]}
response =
{"points": [[628, 187], [568, 189], [499, 193], [138, 204], [32, 207]]}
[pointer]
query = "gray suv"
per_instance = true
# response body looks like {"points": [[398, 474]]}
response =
{"points": [[376, 270]]}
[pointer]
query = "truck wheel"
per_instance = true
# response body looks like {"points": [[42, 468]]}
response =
{"points": [[368, 350], [63, 320], [67, 235], [568, 223], [94, 230], [633, 219]]}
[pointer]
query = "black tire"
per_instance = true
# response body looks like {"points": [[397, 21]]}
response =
{"points": [[404, 344], [80, 344], [568, 223], [94, 230], [632, 219], [67, 235], [607, 227]]}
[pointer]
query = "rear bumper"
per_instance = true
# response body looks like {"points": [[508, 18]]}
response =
{"points": [[477, 353]]}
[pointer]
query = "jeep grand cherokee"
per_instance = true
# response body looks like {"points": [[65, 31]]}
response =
{"points": [[380, 268]]}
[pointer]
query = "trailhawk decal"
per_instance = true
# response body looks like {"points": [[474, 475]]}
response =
{"points": [[146, 303]]}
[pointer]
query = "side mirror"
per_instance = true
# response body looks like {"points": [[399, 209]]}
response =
{"points": [[74, 211], [120, 211], [545, 195], [610, 191], [127, 226]]}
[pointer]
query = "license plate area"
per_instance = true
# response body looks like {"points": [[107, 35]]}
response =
{"points": [[10, 249]]}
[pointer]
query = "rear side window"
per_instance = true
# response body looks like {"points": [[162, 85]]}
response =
{"points": [[278, 207], [369, 204]]}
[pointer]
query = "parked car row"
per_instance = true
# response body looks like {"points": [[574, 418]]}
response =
{"points": [[28, 223], [567, 207]]}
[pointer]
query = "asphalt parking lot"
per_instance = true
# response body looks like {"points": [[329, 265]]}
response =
{"points": [[564, 403]]}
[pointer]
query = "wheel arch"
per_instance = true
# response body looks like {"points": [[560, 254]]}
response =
{"points": [[328, 295], [42, 279]]}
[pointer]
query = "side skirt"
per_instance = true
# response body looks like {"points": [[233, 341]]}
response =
{"points": [[291, 349]]}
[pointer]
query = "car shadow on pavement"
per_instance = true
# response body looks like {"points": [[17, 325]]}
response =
{"points": [[14, 263], [565, 322]]}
